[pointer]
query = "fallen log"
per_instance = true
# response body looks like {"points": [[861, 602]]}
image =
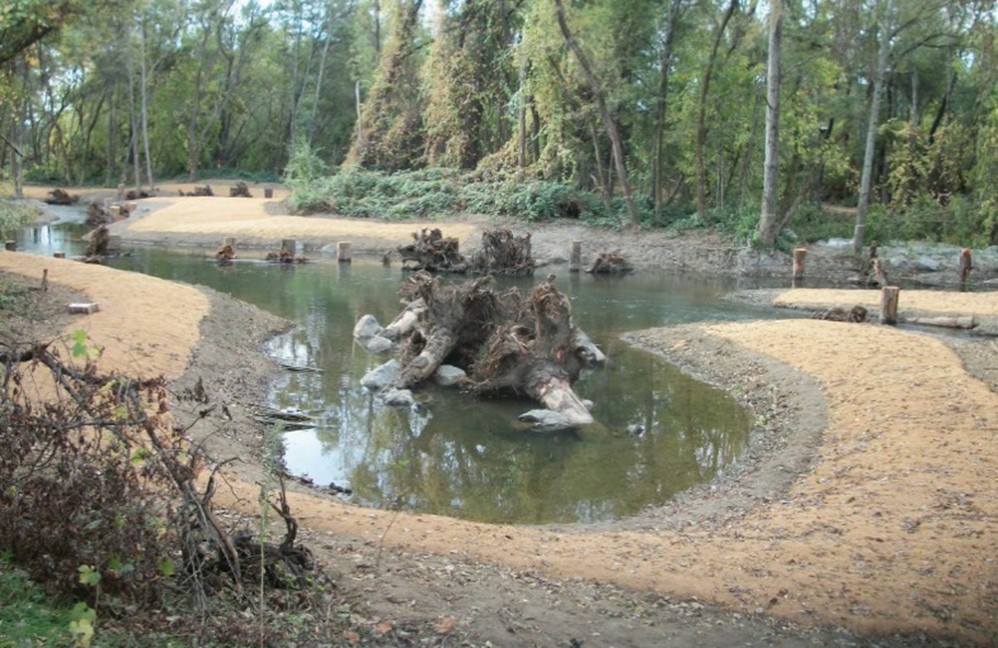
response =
{"points": [[856, 314], [610, 263], [430, 250], [60, 197], [503, 254], [953, 322], [505, 343]]}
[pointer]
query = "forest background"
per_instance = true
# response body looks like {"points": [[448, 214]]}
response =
{"points": [[770, 120]]}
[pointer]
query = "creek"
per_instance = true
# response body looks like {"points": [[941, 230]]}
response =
{"points": [[657, 431]]}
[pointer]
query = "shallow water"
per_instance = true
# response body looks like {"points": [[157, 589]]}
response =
{"points": [[657, 432]]}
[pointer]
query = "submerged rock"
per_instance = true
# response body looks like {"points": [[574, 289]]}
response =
{"points": [[382, 375], [398, 397], [546, 420], [366, 327], [377, 344]]}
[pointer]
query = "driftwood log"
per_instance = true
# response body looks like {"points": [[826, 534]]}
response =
{"points": [[60, 197], [430, 250], [502, 253], [100, 241], [610, 263], [240, 190], [856, 314], [506, 343]]}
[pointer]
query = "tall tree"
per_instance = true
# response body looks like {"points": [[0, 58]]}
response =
{"points": [[768, 223], [389, 133], [609, 124], [701, 127]]}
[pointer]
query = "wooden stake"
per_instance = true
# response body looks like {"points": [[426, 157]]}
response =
{"points": [[889, 304], [268, 192], [798, 269], [575, 262], [966, 265], [343, 252], [45, 279], [10, 246], [291, 246]]}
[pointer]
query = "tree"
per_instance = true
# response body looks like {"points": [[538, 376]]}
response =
{"points": [[768, 223], [604, 113], [389, 134], [701, 127]]}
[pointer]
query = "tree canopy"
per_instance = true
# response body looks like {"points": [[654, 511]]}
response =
{"points": [[659, 108]]}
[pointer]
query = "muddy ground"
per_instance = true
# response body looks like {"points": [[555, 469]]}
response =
{"points": [[864, 512]]}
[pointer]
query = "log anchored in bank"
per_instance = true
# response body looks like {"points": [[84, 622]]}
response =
{"points": [[504, 342]]}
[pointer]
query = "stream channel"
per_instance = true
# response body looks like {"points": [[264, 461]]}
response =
{"points": [[657, 431]]}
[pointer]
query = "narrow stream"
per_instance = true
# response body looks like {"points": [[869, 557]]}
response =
{"points": [[657, 432]]}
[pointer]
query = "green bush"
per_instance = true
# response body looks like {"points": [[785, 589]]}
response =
{"points": [[15, 214]]}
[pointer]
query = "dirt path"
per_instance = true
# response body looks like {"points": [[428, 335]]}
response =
{"points": [[868, 499]]}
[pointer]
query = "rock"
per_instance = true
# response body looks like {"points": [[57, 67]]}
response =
{"points": [[928, 264], [377, 344], [546, 420], [398, 397], [635, 429], [589, 404], [382, 375], [448, 375], [366, 327]]}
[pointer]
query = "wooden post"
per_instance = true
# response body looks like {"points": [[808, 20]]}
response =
{"points": [[115, 212], [59, 255], [966, 265], [889, 304], [798, 268], [45, 279], [10, 246], [343, 251], [268, 192], [291, 246], [575, 261]]}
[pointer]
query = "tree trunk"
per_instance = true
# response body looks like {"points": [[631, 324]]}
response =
{"points": [[701, 141], [145, 102], [866, 181], [608, 122], [768, 223], [133, 120], [664, 70]]}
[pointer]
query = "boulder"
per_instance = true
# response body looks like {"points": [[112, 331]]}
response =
{"points": [[382, 375], [448, 375]]}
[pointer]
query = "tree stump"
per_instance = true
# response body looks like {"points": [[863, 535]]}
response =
{"points": [[575, 260], [966, 265], [10, 246], [798, 263], [268, 192], [343, 252], [889, 304]]}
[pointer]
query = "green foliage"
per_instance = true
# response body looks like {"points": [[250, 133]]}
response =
{"points": [[15, 214], [12, 294], [440, 192], [27, 617], [535, 200]]}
